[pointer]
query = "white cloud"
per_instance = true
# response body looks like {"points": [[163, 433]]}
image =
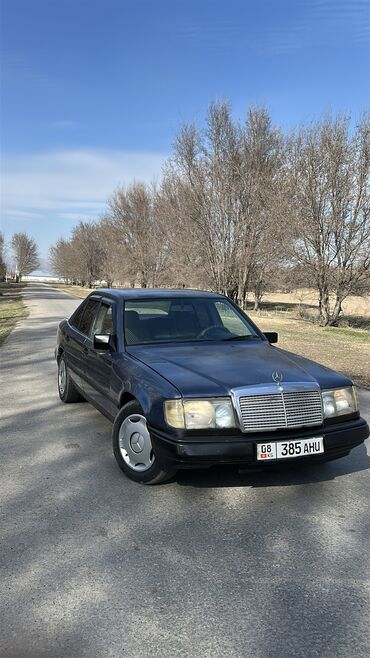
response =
{"points": [[70, 183], [23, 214]]}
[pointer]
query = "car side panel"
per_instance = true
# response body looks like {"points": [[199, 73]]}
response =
{"points": [[98, 376], [73, 348], [98, 369]]}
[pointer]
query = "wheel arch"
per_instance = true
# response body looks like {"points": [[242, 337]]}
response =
{"points": [[137, 394], [126, 397]]}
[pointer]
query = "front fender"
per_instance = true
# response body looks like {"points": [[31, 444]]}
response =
{"points": [[143, 383]]}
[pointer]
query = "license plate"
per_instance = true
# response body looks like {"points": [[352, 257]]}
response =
{"points": [[287, 449]]}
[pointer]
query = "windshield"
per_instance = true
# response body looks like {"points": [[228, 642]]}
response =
{"points": [[190, 319]]}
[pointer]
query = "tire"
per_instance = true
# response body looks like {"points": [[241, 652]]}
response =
{"points": [[66, 388], [132, 447]]}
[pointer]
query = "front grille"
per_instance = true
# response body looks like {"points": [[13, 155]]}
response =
{"points": [[269, 412]]}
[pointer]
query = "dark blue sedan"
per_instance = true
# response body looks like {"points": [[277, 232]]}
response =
{"points": [[188, 380]]}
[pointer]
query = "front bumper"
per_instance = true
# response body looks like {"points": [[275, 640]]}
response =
{"points": [[205, 450]]}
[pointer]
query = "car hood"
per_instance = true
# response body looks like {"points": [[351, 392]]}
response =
{"points": [[213, 369]]}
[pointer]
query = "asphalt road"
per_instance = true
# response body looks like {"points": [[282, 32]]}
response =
{"points": [[213, 564]]}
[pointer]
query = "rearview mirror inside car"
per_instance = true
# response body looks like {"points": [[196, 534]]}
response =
{"points": [[271, 336]]}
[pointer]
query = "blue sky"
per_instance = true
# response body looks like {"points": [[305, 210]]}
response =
{"points": [[95, 90]]}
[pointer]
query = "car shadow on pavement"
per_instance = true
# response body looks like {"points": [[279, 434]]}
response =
{"points": [[284, 475]]}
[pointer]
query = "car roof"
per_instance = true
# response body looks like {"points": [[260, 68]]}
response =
{"points": [[153, 293]]}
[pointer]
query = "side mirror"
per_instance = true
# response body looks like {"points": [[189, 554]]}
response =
{"points": [[104, 342], [271, 336]]}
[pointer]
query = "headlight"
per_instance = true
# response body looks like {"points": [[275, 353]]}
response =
{"points": [[340, 402], [200, 414]]}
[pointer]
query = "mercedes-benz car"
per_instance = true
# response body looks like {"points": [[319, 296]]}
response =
{"points": [[188, 380]]}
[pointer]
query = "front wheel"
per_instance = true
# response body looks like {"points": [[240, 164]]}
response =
{"points": [[132, 447]]}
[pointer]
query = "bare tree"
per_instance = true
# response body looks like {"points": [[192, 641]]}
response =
{"points": [[88, 253], [263, 232], [203, 167], [237, 204], [229, 181], [2, 257], [140, 232], [25, 254], [62, 260], [184, 263], [113, 254], [330, 187]]}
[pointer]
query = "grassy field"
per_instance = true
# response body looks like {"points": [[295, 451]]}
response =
{"points": [[303, 302], [12, 308], [345, 348]]}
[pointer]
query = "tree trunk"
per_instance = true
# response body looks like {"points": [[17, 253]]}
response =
{"points": [[232, 293], [240, 298], [324, 307], [258, 293], [143, 279], [334, 316]]}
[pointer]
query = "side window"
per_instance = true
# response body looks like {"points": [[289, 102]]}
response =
{"points": [[104, 320], [76, 318], [88, 316]]}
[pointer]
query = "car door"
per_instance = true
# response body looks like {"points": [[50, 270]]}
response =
{"points": [[98, 364], [79, 328]]}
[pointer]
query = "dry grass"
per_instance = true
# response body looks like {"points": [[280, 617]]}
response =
{"points": [[345, 348], [12, 308], [77, 291], [303, 302]]}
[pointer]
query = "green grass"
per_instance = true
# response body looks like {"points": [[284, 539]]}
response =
{"points": [[12, 308], [358, 334]]}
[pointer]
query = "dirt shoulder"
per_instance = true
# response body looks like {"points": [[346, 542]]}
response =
{"points": [[76, 291], [12, 307]]}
